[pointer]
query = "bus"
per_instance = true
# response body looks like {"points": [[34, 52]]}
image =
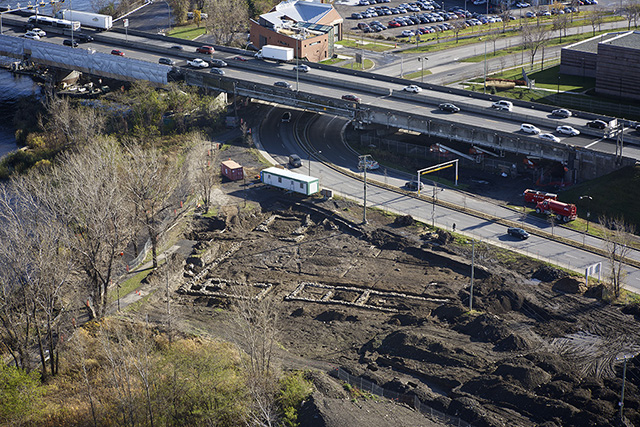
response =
{"points": [[41, 21]]}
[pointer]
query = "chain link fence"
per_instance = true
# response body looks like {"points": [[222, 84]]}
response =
{"points": [[409, 399]]}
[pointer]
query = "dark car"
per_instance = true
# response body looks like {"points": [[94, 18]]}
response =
{"points": [[286, 117], [177, 47], [166, 61], [295, 161], [518, 232], [285, 85], [217, 63], [217, 71], [449, 107], [352, 98], [117, 52], [414, 185], [83, 38], [598, 124], [207, 50], [69, 42]]}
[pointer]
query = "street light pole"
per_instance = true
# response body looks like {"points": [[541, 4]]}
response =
{"points": [[309, 160], [422, 61], [363, 160], [588, 209]]}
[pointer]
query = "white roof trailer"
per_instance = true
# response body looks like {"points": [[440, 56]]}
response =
{"points": [[287, 180]]}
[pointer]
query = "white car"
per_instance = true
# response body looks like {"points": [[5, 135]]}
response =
{"points": [[371, 164], [412, 88], [38, 31], [567, 130], [303, 68], [198, 63], [408, 33], [503, 105], [549, 137], [32, 36], [479, 2], [527, 128]]}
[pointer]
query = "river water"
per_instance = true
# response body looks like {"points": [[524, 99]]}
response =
{"points": [[14, 87]]}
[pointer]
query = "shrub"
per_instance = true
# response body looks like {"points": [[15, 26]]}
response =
{"points": [[294, 389]]}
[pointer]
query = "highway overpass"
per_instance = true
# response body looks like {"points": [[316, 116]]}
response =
{"points": [[384, 104]]}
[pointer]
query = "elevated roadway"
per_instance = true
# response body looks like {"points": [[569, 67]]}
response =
{"points": [[383, 101]]}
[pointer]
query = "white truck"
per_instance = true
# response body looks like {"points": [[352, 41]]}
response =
{"points": [[277, 53], [87, 19]]}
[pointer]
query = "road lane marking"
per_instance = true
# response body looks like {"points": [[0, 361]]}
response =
{"points": [[593, 143]]}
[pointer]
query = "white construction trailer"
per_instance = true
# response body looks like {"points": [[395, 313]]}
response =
{"points": [[288, 180]]}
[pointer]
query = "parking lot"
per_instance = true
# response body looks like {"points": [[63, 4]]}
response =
{"points": [[402, 21]]}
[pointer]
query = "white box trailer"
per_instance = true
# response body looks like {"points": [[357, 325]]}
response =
{"points": [[87, 19], [277, 53], [288, 180]]}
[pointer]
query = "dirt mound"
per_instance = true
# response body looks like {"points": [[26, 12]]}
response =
{"points": [[529, 377], [485, 327], [570, 285], [406, 320], [330, 315], [386, 240], [298, 312], [502, 301], [548, 274], [633, 309], [513, 342], [404, 221], [449, 313]]}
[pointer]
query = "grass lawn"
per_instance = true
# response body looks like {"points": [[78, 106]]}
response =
{"points": [[614, 195], [416, 74], [187, 32], [356, 66], [331, 61], [369, 45], [548, 79], [130, 285]]}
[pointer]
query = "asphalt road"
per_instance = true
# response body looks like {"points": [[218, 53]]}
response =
{"points": [[321, 135]]}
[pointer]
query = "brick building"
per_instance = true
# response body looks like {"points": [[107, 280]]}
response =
{"points": [[310, 27], [613, 59]]}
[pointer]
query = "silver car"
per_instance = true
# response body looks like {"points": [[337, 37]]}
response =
{"points": [[567, 130]]}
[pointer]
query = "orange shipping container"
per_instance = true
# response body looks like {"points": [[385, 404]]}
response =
{"points": [[232, 170]]}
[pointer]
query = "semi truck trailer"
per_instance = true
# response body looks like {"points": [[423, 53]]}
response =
{"points": [[87, 19], [276, 53]]}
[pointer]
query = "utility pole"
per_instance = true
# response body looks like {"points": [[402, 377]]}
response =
{"points": [[473, 258], [363, 160], [588, 209], [624, 377]]}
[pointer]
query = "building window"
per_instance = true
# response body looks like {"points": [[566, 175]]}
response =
{"points": [[301, 185], [279, 179]]}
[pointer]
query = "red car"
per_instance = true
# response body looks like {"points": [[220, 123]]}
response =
{"points": [[117, 52], [352, 98], [394, 24], [240, 58], [208, 50]]}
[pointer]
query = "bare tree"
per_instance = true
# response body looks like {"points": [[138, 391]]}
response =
{"points": [[596, 17], [87, 193], [632, 12], [618, 238], [533, 38], [35, 275], [149, 180], [505, 14], [257, 320], [458, 25], [226, 19], [560, 23], [69, 125]]}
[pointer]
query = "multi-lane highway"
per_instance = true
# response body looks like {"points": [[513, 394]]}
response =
{"points": [[372, 91]]}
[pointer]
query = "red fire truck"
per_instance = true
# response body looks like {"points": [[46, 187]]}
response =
{"points": [[533, 196], [563, 211]]}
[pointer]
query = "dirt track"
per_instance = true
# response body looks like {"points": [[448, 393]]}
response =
{"points": [[389, 303]]}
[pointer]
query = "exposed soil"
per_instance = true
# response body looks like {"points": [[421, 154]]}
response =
{"points": [[389, 302]]}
